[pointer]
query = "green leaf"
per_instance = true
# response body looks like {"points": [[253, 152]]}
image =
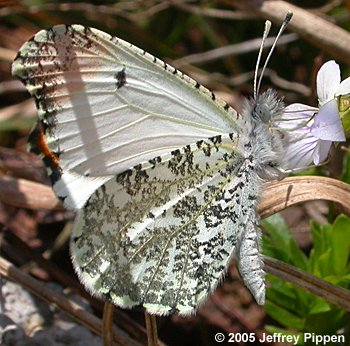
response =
{"points": [[340, 244], [346, 168], [284, 298], [319, 236], [319, 258], [284, 317], [325, 264], [294, 307], [326, 323], [344, 112], [279, 243], [288, 296], [330, 255], [319, 305]]}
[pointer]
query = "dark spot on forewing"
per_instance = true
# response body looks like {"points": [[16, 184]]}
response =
{"points": [[121, 78]]}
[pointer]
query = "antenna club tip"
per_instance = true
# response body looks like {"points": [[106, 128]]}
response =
{"points": [[268, 24], [289, 16]]}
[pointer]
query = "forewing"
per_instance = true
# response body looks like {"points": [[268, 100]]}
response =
{"points": [[161, 235], [106, 105]]}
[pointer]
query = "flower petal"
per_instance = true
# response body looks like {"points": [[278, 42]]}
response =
{"points": [[344, 87], [297, 110], [295, 116], [328, 80], [327, 124], [299, 149], [298, 107], [321, 151]]}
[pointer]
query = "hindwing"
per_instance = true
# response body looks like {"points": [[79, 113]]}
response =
{"points": [[161, 235]]}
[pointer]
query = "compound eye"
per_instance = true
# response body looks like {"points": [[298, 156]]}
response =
{"points": [[263, 113]]}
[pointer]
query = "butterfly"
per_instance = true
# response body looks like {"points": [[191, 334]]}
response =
{"points": [[165, 178]]}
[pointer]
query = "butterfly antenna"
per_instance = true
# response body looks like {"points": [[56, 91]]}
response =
{"points": [[265, 34], [285, 23]]}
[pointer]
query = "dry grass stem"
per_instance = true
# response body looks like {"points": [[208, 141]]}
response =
{"points": [[151, 328], [7, 54], [213, 12], [320, 32], [27, 194], [107, 321], [75, 311], [332, 293], [25, 109], [293, 190], [231, 50]]}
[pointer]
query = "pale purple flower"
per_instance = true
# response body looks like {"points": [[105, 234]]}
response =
{"points": [[311, 131]]}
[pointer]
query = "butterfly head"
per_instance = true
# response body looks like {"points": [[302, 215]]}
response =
{"points": [[267, 107]]}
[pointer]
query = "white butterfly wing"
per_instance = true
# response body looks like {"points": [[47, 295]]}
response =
{"points": [[107, 105], [189, 212], [115, 124]]}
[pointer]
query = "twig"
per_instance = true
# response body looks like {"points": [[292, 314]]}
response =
{"points": [[151, 11], [151, 327], [327, 7], [19, 116], [107, 333], [285, 84], [332, 293], [75, 311], [320, 32], [242, 78], [79, 6], [2, 298], [11, 85], [25, 109], [213, 12], [7, 54], [344, 148], [122, 9], [20, 164], [27, 194], [15, 244], [293, 190], [231, 50]]}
